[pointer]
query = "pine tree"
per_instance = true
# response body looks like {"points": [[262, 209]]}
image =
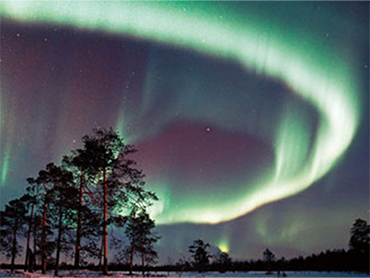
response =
{"points": [[359, 244], [90, 232], [360, 236], [49, 179], [223, 262], [269, 259], [118, 183], [141, 238], [87, 220], [63, 207], [13, 220], [102, 149], [41, 231], [200, 255], [78, 162], [31, 200]]}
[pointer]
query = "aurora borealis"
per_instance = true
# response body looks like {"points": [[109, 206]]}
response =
{"points": [[232, 106]]}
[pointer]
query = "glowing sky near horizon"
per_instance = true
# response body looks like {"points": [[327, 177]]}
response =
{"points": [[231, 105]]}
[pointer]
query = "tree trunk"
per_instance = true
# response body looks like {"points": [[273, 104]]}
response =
{"points": [[27, 259], [14, 247], [131, 258], [43, 237], [79, 226], [59, 241], [105, 227], [101, 255], [142, 263], [34, 263], [35, 244]]}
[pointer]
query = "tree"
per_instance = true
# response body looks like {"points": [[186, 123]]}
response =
{"points": [[90, 232], [78, 162], [182, 265], [31, 200], [200, 255], [109, 186], [359, 246], [360, 236], [63, 206], [222, 261], [48, 178], [103, 149], [118, 183], [269, 258], [141, 238], [87, 219], [13, 220], [39, 191]]}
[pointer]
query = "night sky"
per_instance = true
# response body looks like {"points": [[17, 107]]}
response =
{"points": [[251, 119]]}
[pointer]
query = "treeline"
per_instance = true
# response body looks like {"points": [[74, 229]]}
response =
{"points": [[330, 260], [356, 258], [68, 209]]}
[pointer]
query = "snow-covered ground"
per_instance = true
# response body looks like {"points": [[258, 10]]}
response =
{"points": [[87, 273]]}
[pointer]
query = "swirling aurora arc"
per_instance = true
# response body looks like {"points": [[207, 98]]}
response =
{"points": [[313, 74]]}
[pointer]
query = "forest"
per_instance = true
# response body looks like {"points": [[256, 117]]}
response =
{"points": [[69, 208]]}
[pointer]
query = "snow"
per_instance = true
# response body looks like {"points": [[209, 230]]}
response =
{"points": [[88, 273]]}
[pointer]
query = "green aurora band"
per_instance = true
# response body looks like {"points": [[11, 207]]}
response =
{"points": [[314, 74]]}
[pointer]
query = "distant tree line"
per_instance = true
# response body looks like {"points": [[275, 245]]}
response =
{"points": [[356, 258], [69, 208]]}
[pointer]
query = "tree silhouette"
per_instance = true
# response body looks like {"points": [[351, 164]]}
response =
{"points": [[141, 238], [359, 246], [222, 261], [269, 258], [31, 200], [49, 178], [182, 265], [78, 162], [39, 189], [63, 206], [94, 188], [200, 255], [87, 219], [13, 220], [360, 236], [90, 232], [102, 149], [119, 185]]}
